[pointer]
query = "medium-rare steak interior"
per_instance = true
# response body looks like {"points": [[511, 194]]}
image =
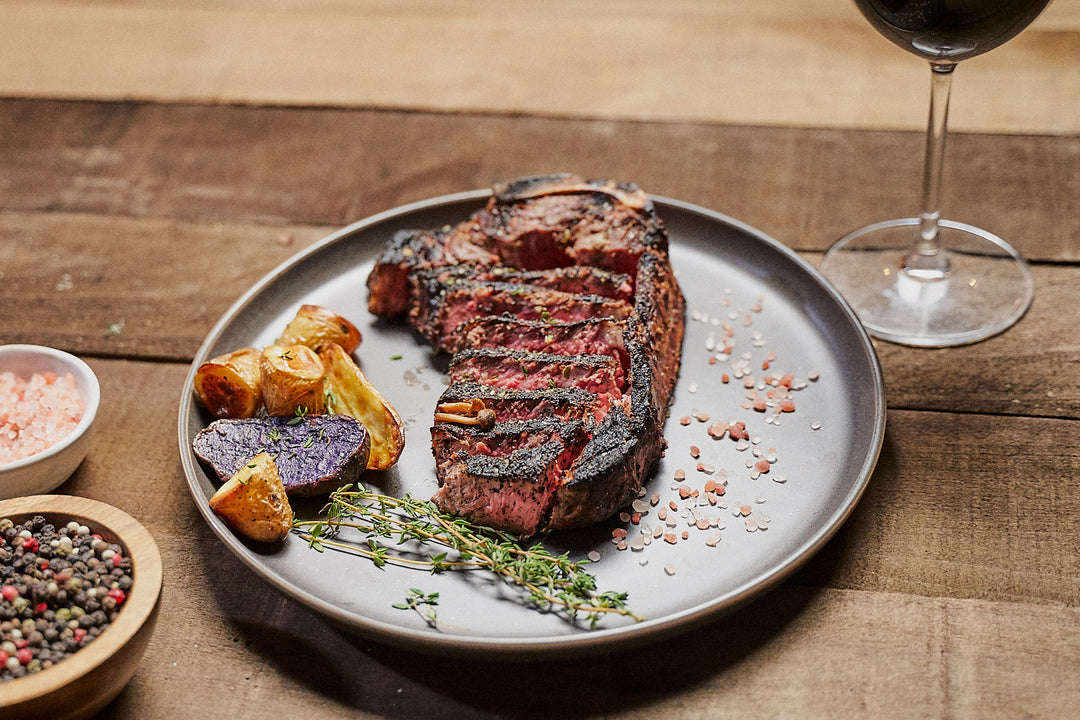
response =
{"points": [[560, 306]]}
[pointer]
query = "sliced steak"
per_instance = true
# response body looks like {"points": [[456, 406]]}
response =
{"points": [[560, 304]]}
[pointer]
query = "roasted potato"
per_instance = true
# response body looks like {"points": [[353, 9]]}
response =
{"points": [[350, 393], [229, 385], [253, 501], [316, 326], [292, 378]]}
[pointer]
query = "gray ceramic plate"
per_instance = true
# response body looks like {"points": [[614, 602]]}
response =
{"points": [[825, 450]]}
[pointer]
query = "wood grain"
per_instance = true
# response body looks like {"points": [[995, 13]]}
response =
{"points": [[956, 553], [279, 166], [196, 205], [787, 62], [161, 293]]}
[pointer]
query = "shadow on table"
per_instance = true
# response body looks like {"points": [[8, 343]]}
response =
{"points": [[350, 672], [394, 683]]}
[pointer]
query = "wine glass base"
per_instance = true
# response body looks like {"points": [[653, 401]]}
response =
{"points": [[987, 289]]}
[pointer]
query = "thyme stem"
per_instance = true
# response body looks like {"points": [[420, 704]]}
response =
{"points": [[548, 581]]}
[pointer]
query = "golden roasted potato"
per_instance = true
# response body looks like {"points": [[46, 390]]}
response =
{"points": [[350, 393], [229, 385], [316, 326], [292, 378], [253, 501]]}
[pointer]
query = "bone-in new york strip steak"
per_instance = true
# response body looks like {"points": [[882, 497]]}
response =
{"points": [[560, 304]]}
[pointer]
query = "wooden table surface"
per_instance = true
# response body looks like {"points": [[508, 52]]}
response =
{"points": [[158, 158]]}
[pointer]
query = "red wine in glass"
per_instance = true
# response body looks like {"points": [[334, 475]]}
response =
{"points": [[923, 280]]}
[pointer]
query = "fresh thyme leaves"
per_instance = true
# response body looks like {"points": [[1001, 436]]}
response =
{"points": [[548, 582], [423, 604], [301, 413]]}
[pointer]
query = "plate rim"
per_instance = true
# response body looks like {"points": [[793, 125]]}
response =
{"points": [[538, 647]]}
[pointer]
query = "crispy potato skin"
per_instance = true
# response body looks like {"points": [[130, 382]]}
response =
{"points": [[292, 378], [253, 502], [316, 326], [351, 393], [229, 386]]}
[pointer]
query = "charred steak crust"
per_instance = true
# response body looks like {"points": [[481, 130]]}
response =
{"points": [[564, 316]]}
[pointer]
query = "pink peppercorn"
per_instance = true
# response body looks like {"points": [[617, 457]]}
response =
{"points": [[3, 657], [30, 545], [118, 595], [117, 559], [24, 656], [9, 592]]}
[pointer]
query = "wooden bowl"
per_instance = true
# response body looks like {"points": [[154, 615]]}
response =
{"points": [[83, 683]]}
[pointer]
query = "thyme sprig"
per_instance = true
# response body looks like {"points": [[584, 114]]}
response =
{"points": [[386, 524], [423, 603]]}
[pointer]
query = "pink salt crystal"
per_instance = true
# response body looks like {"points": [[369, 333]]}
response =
{"points": [[36, 413]]}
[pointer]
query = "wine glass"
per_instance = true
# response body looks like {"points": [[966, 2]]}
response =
{"points": [[926, 281]]}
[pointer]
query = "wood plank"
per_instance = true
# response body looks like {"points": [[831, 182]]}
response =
{"points": [[830, 653], [327, 167], [953, 589], [793, 63], [167, 283]]}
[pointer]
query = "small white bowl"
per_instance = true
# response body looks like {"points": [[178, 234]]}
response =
{"points": [[49, 468]]}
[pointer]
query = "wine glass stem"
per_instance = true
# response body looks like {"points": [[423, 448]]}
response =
{"points": [[927, 259]]}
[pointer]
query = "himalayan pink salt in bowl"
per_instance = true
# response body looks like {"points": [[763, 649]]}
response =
{"points": [[48, 402]]}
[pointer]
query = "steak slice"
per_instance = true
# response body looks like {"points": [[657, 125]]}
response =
{"points": [[562, 403], [459, 302], [593, 336], [411, 250], [506, 477], [526, 370], [612, 467], [584, 280]]}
